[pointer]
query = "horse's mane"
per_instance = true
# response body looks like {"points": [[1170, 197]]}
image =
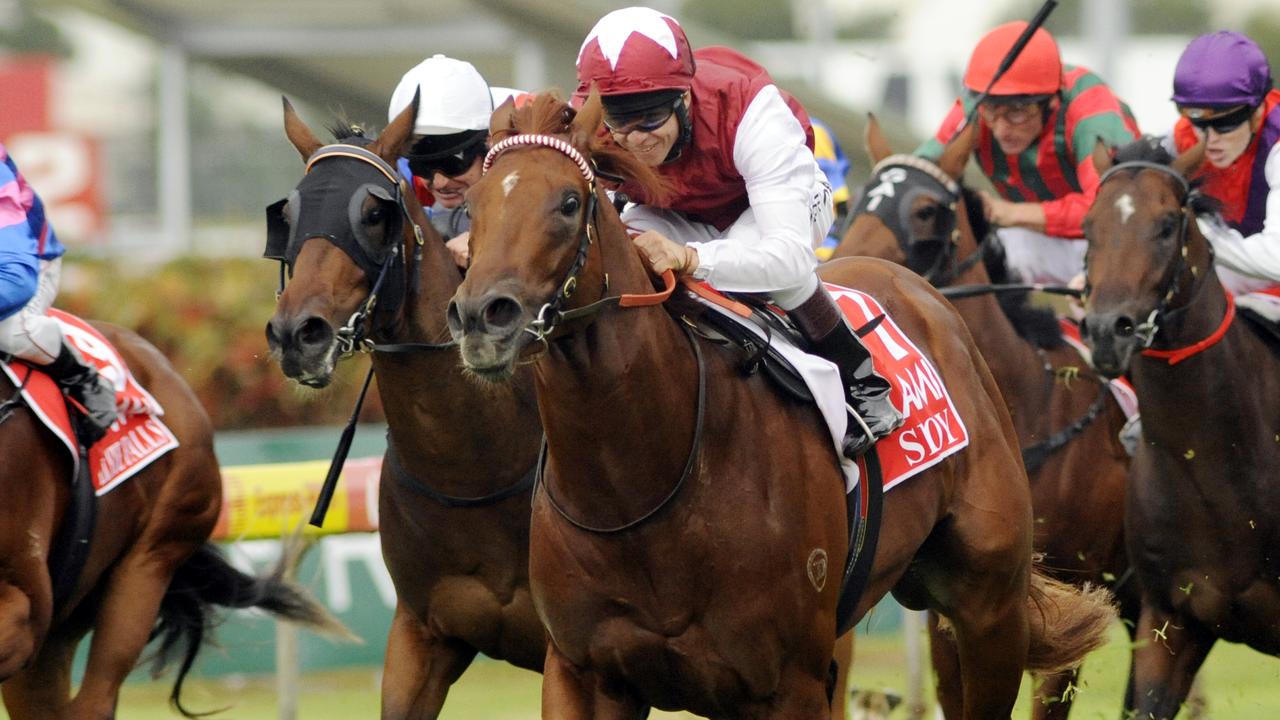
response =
{"points": [[1150, 148], [1036, 325], [345, 131], [548, 114]]}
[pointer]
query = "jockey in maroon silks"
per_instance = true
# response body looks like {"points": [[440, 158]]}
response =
{"points": [[748, 202], [1036, 132], [1223, 89]]}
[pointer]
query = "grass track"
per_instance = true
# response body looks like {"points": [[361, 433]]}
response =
{"points": [[1239, 683]]}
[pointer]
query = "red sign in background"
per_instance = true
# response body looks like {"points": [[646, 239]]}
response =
{"points": [[64, 166]]}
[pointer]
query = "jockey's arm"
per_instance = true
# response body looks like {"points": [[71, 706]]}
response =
{"points": [[781, 176], [19, 266], [1259, 254]]}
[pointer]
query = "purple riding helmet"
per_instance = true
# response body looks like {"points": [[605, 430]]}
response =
{"points": [[1220, 70]]}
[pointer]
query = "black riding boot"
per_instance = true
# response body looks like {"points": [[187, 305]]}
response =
{"points": [[81, 382], [830, 337]]}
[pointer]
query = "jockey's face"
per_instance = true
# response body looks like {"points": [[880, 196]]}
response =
{"points": [[1014, 126], [1226, 146], [652, 145], [450, 190]]}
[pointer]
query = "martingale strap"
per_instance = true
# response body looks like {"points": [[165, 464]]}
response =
{"points": [[1175, 356]]}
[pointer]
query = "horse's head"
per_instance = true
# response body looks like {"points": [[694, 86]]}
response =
{"points": [[343, 236], [1145, 252], [913, 211], [536, 215]]}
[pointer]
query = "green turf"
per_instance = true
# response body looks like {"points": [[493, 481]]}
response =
{"points": [[1238, 683]]}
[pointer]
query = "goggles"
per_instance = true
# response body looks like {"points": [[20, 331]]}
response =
{"points": [[450, 165], [1221, 122], [1012, 113], [647, 121]]}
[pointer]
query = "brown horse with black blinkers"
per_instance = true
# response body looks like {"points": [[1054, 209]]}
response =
{"points": [[1203, 509], [454, 494], [150, 570], [1065, 416], [674, 533]]}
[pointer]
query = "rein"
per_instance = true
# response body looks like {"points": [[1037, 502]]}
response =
{"points": [[1146, 331], [689, 464]]}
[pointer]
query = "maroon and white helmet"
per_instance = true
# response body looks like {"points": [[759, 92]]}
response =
{"points": [[635, 50]]}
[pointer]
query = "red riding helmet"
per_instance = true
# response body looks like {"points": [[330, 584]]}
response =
{"points": [[635, 50], [1036, 71]]}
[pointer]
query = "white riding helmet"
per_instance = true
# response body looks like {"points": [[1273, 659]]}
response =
{"points": [[454, 97]]}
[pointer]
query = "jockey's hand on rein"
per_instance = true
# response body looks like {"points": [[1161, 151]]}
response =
{"points": [[664, 254]]}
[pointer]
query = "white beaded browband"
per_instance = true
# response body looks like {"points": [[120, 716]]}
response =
{"points": [[554, 143], [924, 166]]}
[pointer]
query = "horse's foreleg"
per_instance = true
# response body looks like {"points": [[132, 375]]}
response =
{"points": [[1170, 650], [122, 627], [43, 689], [946, 669], [420, 668], [1054, 694], [21, 627], [992, 640], [844, 665], [571, 693]]}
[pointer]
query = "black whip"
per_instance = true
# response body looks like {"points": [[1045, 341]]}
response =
{"points": [[339, 458], [957, 292]]}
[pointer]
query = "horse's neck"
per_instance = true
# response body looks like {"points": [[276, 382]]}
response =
{"points": [[618, 395], [436, 415], [1013, 361]]}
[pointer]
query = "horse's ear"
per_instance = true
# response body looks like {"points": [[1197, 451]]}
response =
{"points": [[298, 133], [586, 123], [956, 154], [503, 120], [393, 138], [1189, 161], [876, 143], [1102, 160]]}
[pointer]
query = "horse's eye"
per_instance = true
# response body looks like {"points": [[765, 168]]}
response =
{"points": [[1168, 226], [927, 213], [570, 205], [375, 216]]}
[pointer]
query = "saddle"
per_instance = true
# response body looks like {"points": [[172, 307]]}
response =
{"points": [[863, 505]]}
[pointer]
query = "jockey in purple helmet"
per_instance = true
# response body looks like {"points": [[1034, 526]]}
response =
{"points": [[1223, 90]]}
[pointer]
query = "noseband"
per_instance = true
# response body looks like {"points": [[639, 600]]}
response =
{"points": [[1146, 331]]}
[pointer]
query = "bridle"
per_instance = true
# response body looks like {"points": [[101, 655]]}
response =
{"points": [[550, 315], [1146, 331], [897, 170], [353, 335]]}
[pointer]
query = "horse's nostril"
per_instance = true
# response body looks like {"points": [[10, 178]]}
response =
{"points": [[501, 312], [1124, 326], [314, 331], [453, 317], [273, 341]]}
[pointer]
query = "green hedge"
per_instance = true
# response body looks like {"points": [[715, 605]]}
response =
{"points": [[208, 316]]}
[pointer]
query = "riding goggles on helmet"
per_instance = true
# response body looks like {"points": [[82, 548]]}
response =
{"points": [[1221, 121], [426, 159], [647, 121]]}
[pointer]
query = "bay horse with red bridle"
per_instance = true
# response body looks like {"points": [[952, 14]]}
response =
{"points": [[453, 502], [919, 214], [149, 570], [1202, 514], [681, 507]]}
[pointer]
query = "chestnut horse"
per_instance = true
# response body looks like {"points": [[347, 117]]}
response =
{"points": [[682, 504], [454, 496], [149, 572], [1203, 509], [1065, 416]]}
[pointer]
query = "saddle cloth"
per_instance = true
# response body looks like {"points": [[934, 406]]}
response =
{"points": [[133, 442], [933, 429]]}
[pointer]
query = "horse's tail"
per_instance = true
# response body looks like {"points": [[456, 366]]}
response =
{"points": [[207, 581], [1067, 622]]}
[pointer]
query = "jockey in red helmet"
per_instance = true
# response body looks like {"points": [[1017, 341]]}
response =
{"points": [[1036, 131], [748, 202], [1223, 89], [443, 156]]}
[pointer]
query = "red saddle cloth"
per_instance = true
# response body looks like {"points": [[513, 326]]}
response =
{"points": [[137, 438]]}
